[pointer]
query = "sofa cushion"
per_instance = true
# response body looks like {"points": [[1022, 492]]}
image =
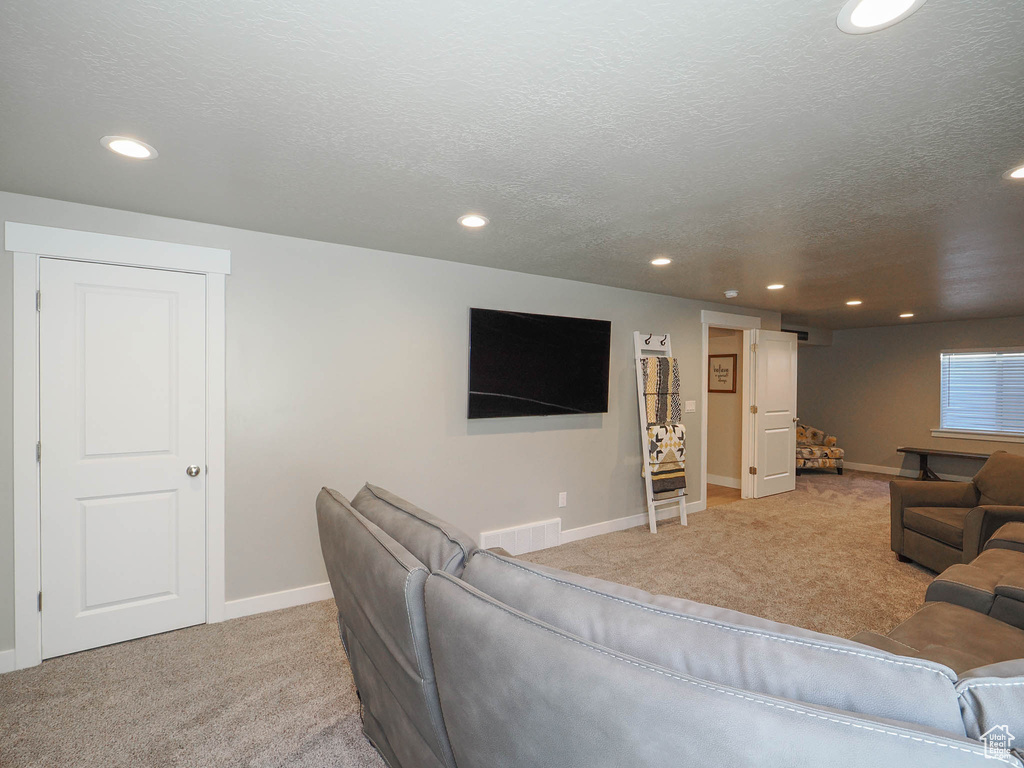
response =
{"points": [[1008, 609], [378, 589], [945, 524], [976, 585], [1001, 479], [959, 637], [437, 544], [1011, 584], [965, 585], [1008, 536], [725, 646], [806, 435], [519, 692], [818, 452], [992, 696]]}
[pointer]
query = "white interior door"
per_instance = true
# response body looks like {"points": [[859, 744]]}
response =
{"points": [[774, 422], [122, 397]]}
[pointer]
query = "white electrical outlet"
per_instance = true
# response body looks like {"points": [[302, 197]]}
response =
{"points": [[691, 406], [562, 498]]}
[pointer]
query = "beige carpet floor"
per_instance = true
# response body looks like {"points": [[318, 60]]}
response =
{"points": [[818, 558], [274, 689]]}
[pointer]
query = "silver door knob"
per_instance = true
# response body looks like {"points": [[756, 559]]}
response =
{"points": [[193, 470]]}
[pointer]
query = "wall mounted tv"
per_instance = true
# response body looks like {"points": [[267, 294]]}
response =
{"points": [[536, 365]]}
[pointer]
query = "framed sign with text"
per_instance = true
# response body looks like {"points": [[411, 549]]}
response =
{"points": [[721, 373]]}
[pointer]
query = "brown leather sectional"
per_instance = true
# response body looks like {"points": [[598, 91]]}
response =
{"points": [[974, 613]]}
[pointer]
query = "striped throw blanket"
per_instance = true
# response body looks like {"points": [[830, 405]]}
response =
{"points": [[666, 444], [661, 390]]}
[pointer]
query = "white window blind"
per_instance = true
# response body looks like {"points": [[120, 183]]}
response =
{"points": [[983, 391]]}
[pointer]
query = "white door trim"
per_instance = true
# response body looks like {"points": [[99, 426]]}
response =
{"points": [[114, 249], [30, 242], [709, 318]]}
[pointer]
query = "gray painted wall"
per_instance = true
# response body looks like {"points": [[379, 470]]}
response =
{"points": [[878, 388], [346, 364]]}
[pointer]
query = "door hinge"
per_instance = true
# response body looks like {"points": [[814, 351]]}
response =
{"points": [[753, 470], [753, 409], [40, 602], [753, 347], [39, 450], [39, 300]]}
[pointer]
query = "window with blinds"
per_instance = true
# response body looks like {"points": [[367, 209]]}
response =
{"points": [[983, 391]]}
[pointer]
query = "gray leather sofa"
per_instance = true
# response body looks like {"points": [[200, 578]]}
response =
{"points": [[490, 661]]}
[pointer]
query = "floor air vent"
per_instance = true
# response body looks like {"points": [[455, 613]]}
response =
{"points": [[524, 538]]}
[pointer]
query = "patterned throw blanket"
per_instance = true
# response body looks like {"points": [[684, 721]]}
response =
{"points": [[667, 446], [661, 390]]}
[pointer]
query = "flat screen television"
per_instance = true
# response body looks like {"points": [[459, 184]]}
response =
{"points": [[536, 365]]}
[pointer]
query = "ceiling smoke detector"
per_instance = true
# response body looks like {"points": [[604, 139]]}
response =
{"points": [[731, 294]]}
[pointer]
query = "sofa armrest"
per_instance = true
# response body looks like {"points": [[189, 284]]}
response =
{"points": [[830, 441], [883, 643], [929, 493], [981, 524], [924, 493], [992, 696]]}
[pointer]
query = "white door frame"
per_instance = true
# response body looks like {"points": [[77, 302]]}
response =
{"points": [[744, 323], [29, 243]]}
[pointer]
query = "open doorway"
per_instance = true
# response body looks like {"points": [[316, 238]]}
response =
{"points": [[765, 395], [725, 415]]}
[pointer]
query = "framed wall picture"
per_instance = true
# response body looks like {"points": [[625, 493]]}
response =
{"points": [[721, 373]]}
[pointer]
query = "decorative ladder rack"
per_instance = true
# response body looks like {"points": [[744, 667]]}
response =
{"points": [[653, 345]]}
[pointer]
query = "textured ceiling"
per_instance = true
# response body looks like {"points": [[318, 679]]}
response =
{"points": [[752, 142]]}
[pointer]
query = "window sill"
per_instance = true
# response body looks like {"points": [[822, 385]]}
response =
{"points": [[966, 434]]}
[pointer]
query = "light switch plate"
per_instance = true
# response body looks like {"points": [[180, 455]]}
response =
{"points": [[691, 406]]}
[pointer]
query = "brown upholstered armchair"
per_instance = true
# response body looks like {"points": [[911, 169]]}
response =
{"points": [[939, 524]]}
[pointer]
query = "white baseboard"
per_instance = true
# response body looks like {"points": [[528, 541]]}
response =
{"points": [[728, 482], [622, 523], [275, 601], [6, 661], [898, 471]]}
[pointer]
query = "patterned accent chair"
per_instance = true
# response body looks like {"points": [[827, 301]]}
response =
{"points": [[816, 450]]}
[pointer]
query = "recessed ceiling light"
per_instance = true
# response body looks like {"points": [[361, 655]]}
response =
{"points": [[907, 314], [473, 220], [854, 302], [133, 148], [732, 293], [1015, 173], [661, 261], [858, 17], [776, 286]]}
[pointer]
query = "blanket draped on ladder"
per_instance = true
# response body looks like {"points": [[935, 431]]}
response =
{"points": [[661, 390], [666, 436]]}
